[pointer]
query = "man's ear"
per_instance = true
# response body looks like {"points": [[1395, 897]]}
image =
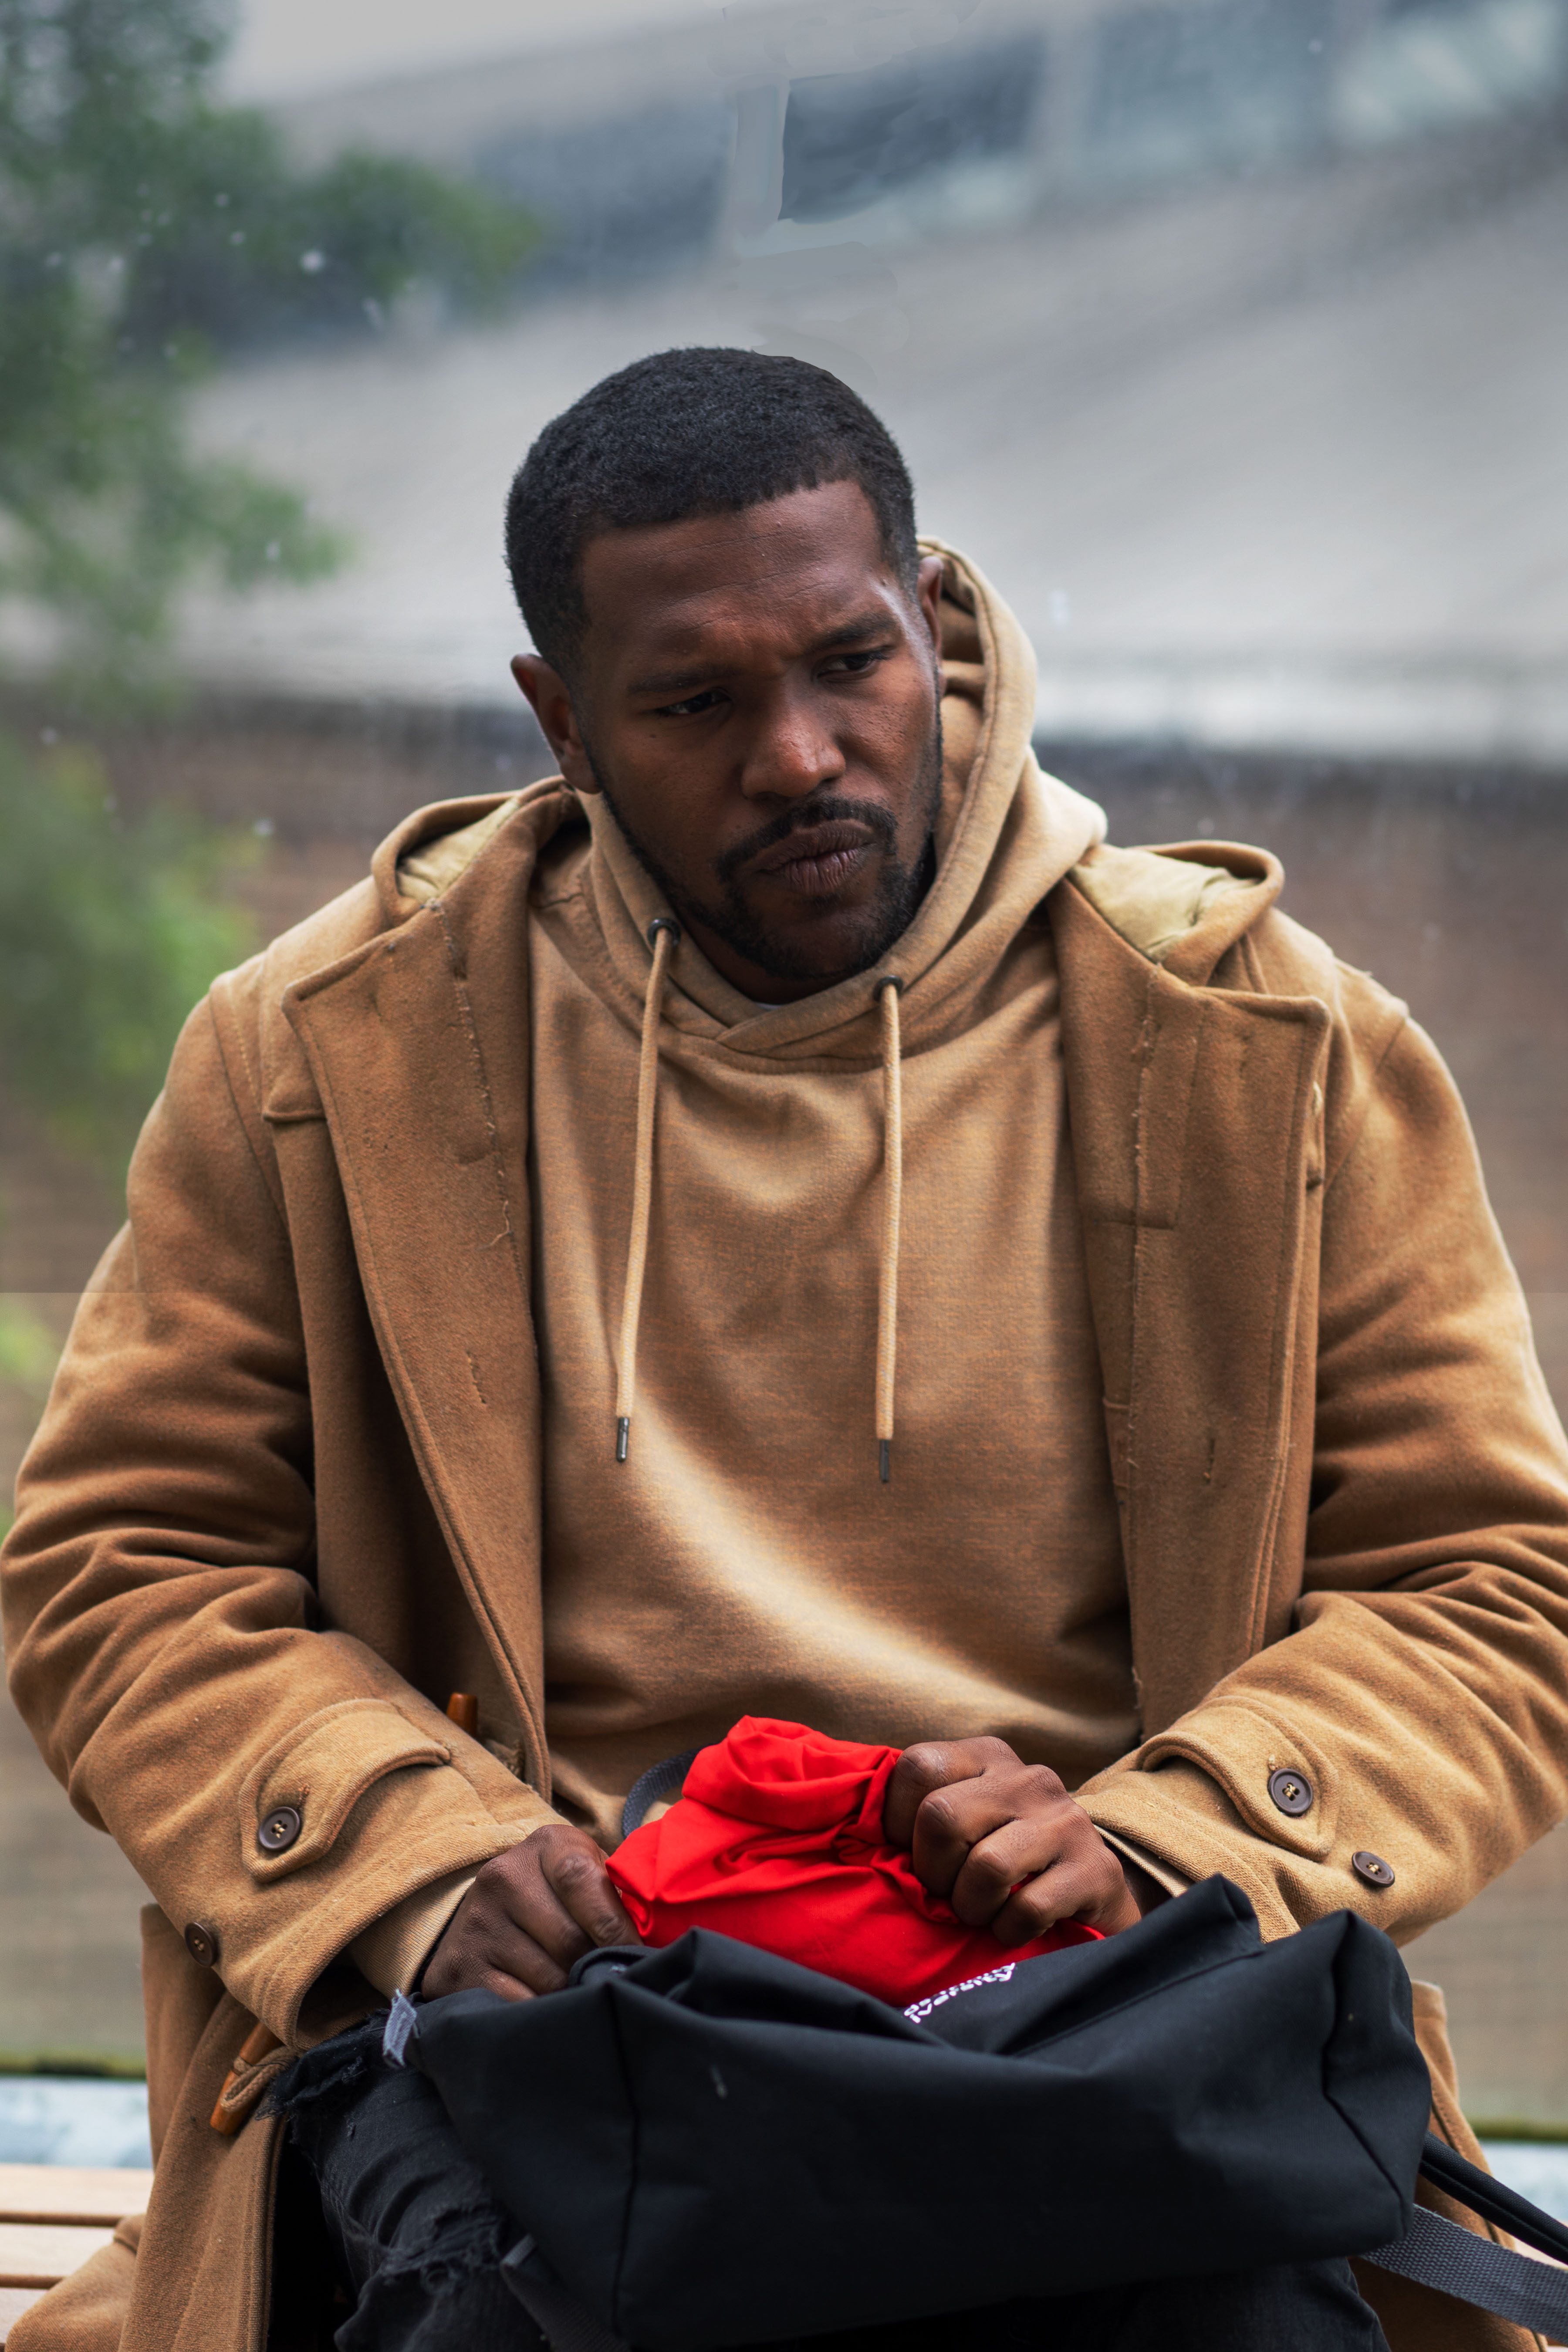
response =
{"points": [[546, 689]]}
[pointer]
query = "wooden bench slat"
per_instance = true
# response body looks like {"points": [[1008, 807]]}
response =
{"points": [[93, 2194], [37, 2254]]}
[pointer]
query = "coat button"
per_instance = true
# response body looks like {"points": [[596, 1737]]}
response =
{"points": [[201, 1942], [279, 1828], [1292, 1791], [1372, 1868]]}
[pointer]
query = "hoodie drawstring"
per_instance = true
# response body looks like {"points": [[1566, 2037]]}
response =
{"points": [[890, 991], [664, 938]]}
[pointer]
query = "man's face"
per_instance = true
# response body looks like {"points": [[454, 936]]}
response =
{"points": [[757, 699]]}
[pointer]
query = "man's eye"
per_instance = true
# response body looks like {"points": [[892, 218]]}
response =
{"points": [[856, 665], [694, 703]]}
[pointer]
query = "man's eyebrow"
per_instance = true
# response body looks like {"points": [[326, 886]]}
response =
{"points": [[853, 632]]}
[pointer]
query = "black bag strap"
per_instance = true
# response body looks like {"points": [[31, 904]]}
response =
{"points": [[1437, 2253], [1492, 2199], [661, 1779], [565, 2324]]}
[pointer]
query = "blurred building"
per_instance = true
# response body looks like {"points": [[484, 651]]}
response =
{"points": [[1226, 334]]}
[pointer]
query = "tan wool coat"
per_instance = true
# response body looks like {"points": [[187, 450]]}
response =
{"points": [[286, 1497]]}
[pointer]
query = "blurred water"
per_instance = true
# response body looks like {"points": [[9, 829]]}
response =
{"points": [[1538, 2170], [61, 2119]]}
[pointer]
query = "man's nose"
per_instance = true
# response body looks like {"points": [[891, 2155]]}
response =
{"points": [[791, 754]]}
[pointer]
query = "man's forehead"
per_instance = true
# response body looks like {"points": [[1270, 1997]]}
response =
{"points": [[800, 566]]}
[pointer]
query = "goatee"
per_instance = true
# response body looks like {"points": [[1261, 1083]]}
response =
{"points": [[900, 890]]}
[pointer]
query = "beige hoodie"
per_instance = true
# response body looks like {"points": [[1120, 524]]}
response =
{"points": [[747, 1556]]}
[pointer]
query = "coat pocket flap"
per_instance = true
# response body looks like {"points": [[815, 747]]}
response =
{"points": [[295, 1801], [1283, 1785]]}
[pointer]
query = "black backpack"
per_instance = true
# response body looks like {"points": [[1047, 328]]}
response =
{"points": [[707, 2146]]}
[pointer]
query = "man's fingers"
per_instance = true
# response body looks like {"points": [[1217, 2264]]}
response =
{"points": [[577, 1876], [1067, 1891], [1024, 1804], [1073, 1888], [529, 1915], [1019, 1892], [949, 1830], [933, 1764], [994, 1866], [480, 1949]]}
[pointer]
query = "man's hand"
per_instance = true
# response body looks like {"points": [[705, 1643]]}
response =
{"points": [[527, 1917], [1002, 1842]]}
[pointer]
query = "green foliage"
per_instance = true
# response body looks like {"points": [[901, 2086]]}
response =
{"points": [[110, 931], [28, 1352], [114, 2066], [245, 252], [143, 229]]}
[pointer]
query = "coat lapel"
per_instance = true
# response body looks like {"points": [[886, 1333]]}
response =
{"points": [[418, 1044], [1192, 1117]]}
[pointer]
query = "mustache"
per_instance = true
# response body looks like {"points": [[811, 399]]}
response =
{"points": [[831, 808]]}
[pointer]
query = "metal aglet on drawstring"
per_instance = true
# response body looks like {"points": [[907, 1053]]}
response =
{"points": [[890, 991], [663, 938]]}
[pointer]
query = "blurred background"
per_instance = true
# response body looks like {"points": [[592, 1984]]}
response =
{"points": [[1229, 337]]}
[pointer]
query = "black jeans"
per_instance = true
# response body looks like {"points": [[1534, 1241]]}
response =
{"points": [[416, 2241]]}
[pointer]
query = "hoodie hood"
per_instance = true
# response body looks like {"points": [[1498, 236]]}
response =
{"points": [[1006, 836]]}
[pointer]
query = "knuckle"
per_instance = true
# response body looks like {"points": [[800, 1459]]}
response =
{"points": [[992, 1752], [573, 1871], [555, 1837], [502, 1870], [991, 1871], [925, 1764], [1031, 1911], [1041, 1784], [939, 1814]]}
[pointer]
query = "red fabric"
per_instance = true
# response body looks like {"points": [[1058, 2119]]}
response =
{"points": [[777, 1841]]}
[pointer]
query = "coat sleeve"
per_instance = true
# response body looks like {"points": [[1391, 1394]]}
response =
{"points": [[1423, 1684], [160, 1613]]}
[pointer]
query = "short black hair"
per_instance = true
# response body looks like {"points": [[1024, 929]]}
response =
{"points": [[683, 433]]}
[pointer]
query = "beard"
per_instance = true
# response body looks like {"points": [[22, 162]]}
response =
{"points": [[884, 918]]}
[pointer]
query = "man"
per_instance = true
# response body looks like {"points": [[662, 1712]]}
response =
{"points": [[779, 1219]]}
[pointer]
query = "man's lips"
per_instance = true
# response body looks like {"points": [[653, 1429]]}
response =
{"points": [[817, 859]]}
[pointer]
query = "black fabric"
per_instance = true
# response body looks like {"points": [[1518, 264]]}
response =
{"points": [[414, 2232], [1296, 2307], [713, 2147], [416, 2236]]}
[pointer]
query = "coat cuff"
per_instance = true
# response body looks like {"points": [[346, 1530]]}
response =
{"points": [[1182, 1824], [392, 1952], [1170, 1881]]}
